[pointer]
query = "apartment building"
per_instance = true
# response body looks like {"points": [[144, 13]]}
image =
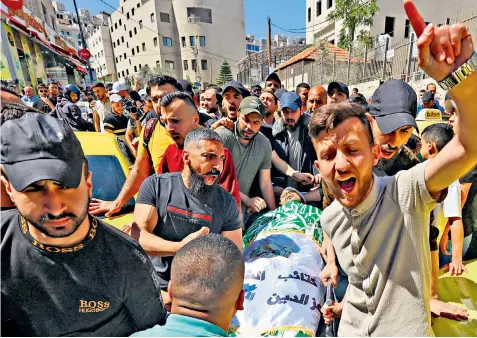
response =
{"points": [[391, 18], [42, 9], [101, 48], [183, 38]]}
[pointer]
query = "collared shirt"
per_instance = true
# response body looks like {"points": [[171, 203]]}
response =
{"points": [[383, 246], [29, 101], [183, 326]]}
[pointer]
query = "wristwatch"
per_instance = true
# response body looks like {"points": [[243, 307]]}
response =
{"points": [[460, 74]]}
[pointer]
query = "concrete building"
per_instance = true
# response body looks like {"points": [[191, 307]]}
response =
{"points": [[101, 48], [42, 9], [391, 18], [193, 42], [67, 24], [255, 46]]}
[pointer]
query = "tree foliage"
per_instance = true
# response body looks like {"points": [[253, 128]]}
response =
{"points": [[146, 73], [225, 74], [357, 17]]}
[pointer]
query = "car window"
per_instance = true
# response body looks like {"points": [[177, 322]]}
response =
{"points": [[126, 151], [108, 179]]}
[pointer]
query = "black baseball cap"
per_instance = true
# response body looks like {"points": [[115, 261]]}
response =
{"points": [[427, 97], [342, 88], [237, 86], [186, 87], [394, 106], [39, 147], [274, 77]]}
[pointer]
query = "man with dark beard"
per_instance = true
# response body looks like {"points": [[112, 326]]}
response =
{"points": [[174, 208], [63, 271], [232, 95], [295, 145]]}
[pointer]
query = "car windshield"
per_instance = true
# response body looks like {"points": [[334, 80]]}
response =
{"points": [[108, 179]]}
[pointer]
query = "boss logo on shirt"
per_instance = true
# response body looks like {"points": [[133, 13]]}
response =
{"points": [[93, 306]]}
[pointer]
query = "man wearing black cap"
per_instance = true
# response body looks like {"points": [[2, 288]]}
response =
{"points": [[273, 82], [63, 271], [427, 101], [232, 95], [338, 92]]}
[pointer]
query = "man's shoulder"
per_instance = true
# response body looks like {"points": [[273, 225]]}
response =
{"points": [[331, 215], [9, 219], [222, 131], [261, 141]]}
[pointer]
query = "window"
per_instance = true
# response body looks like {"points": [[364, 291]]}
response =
{"points": [[124, 27], [132, 51], [152, 17], [122, 73], [137, 49], [124, 56], [194, 65], [130, 34], [203, 64], [155, 42], [139, 66], [140, 24], [120, 57], [202, 41], [111, 29], [127, 44], [135, 31], [102, 53], [169, 64], [127, 15], [138, 4], [158, 64], [116, 59], [192, 41], [119, 75], [167, 42], [318, 8], [143, 46], [116, 25], [183, 39], [132, 12], [135, 69], [68, 33], [120, 22], [389, 26], [127, 71], [164, 17], [186, 65], [122, 38], [330, 3], [129, 61], [406, 29], [118, 43], [309, 14], [114, 44]]}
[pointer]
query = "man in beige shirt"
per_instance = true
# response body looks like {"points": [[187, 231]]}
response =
{"points": [[379, 226]]}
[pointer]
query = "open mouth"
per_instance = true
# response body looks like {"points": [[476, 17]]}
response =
{"points": [[386, 154], [347, 185], [176, 138], [210, 179]]}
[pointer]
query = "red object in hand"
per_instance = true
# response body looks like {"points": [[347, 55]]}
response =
{"points": [[84, 54], [13, 4]]}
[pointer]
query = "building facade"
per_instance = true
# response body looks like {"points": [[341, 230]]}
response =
{"points": [[101, 48], [391, 18], [180, 37]]}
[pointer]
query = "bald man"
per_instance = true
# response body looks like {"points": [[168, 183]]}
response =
{"points": [[317, 97], [206, 289], [30, 98]]}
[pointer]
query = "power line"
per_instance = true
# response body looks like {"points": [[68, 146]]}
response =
{"points": [[152, 30]]}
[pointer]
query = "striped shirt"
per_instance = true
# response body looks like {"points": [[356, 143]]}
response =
{"points": [[383, 246], [117, 124]]}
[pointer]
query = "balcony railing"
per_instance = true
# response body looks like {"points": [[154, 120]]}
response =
{"points": [[199, 19]]}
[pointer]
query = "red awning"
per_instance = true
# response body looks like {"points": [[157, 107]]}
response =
{"points": [[81, 68]]}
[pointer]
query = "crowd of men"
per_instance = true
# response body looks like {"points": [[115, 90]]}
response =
{"points": [[396, 206]]}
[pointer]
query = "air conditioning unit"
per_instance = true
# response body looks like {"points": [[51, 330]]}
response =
{"points": [[418, 76]]}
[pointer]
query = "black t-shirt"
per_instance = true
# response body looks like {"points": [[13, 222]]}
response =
{"points": [[181, 214], [117, 123], [104, 286], [468, 218]]}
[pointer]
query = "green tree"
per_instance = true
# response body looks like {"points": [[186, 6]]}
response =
{"points": [[225, 74], [357, 15]]}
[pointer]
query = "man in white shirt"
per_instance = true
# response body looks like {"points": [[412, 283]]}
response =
{"points": [[102, 106]]}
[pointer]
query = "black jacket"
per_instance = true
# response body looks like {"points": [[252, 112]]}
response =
{"points": [[308, 157], [71, 113]]}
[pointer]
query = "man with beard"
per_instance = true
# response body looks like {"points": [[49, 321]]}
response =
{"points": [[179, 116], [65, 272], [317, 98], [273, 82], [303, 89], [234, 92], [375, 220], [102, 106], [44, 103], [54, 92], [251, 152], [338, 92], [294, 144], [209, 103], [174, 208], [150, 149]]}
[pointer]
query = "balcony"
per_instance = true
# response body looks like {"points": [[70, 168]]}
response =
{"points": [[198, 19]]}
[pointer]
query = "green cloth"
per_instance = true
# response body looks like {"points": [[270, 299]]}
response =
{"points": [[183, 326]]}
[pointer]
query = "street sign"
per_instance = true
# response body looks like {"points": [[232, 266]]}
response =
{"points": [[84, 54], [13, 4]]}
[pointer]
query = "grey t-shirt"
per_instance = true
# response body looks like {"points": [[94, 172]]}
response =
{"points": [[249, 159]]}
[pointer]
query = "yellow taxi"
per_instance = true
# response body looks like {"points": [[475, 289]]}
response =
{"points": [[109, 160], [426, 117]]}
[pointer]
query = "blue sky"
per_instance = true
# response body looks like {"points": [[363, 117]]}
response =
{"points": [[284, 13]]}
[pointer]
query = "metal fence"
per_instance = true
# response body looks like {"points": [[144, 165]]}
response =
{"points": [[389, 58]]}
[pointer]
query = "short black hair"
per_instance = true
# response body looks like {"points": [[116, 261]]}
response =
{"points": [[432, 83], [162, 80], [439, 133], [205, 270], [15, 110], [171, 97], [302, 85], [53, 83], [109, 86], [257, 87], [201, 134], [98, 85], [41, 85]]}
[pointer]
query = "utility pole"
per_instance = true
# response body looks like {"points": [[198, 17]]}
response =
{"points": [[269, 43], [196, 56], [83, 40]]}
